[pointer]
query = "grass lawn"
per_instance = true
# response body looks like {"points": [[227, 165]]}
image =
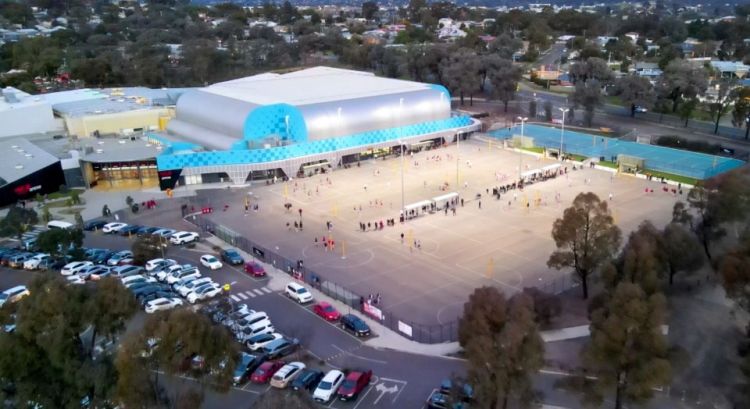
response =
{"points": [[535, 149], [607, 164], [66, 195], [676, 178]]}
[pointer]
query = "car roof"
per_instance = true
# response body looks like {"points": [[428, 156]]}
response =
{"points": [[333, 373]]}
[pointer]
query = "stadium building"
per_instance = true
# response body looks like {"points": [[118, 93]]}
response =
{"points": [[300, 123]]}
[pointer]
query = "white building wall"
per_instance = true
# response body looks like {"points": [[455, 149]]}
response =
{"points": [[27, 119]]}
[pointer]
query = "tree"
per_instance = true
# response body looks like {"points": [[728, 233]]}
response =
{"points": [[504, 46], [585, 236], [18, 221], [461, 73], [723, 102], [642, 260], [369, 9], [148, 247], [46, 358], [635, 91], [683, 251], [590, 77], [503, 78], [548, 111], [174, 342], [109, 305], [741, 111], [59, 242], [682, 82], [79, 221], [502, 345], [735, 272], [532, 109], [627, 353]]}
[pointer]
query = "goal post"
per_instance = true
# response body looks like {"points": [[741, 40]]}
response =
{"points": [[630, 164]]}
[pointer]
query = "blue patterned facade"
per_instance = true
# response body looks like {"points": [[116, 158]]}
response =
{"points": [[171, 161]]}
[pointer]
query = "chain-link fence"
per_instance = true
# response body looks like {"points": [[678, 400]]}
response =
{"points": [[423, 333]]}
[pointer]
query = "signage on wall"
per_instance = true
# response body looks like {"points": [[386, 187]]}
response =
{"points": [[23, 190]]}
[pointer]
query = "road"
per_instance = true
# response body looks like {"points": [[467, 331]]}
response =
{"points": [[551, 57]]}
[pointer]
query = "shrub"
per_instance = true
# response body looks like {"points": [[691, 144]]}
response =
{"points": [[546, 306]]}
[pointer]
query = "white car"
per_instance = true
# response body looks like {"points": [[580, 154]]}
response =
{"points": [[75, 279], [14, 294], [204, 292], [33, 263], [181, 274], [298, 293], [257, 342], [189, 286], [113, 227], [183, 237], [152, 265], [211, 262], [162, 274], [250, 320], [161, 304], [137, 279], [328, 386], [75, 267]]}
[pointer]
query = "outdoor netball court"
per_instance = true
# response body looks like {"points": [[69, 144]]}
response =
{"points": [[500, 245]]}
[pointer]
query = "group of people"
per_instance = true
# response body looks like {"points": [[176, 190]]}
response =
{"points": [[329, 244], [377, 225]]}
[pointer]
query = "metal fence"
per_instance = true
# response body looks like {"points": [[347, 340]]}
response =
{"points": [[423, 333]]}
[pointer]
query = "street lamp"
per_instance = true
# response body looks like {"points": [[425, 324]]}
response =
{"points": [[520, 152], [562, 130]]}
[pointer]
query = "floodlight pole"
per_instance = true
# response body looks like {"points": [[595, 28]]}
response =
{"points": [[401, 142], [458, 160], [562, 130], [520, 151]]}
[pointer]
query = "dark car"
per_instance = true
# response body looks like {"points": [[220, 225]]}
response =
{"points": [[146, 231], [94, 225], [355, 325], [52, 264], [354, 384], [280, 348], [231, 256], [101, 257], [129, 230], [158, 294], [307, 380], [440, 398], [246, 365]]}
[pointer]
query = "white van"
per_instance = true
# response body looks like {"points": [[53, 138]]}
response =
{"points": [[59, 224], [14, 294]]}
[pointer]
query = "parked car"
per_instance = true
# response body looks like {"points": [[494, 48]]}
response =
{"points": [[640, 109], [354, 384], [286, 374], [280, 348], [52, 264], [308, 379], [186, 287], [204, 292], [440, 398], [259, 341], [165, 272], [144, 299], [137, 278], [113, 227], [75, 279], [90, 271], [118, 257], [75, 267], [249, 320], [328, 386], [18, 260], [298, 293], [125, 271], [158, 263], [326, 311], [355, 325], [33, 262], [265, 371], [255, 269], [182, 273], [232, 256], [101, 257], [13, 295], [147, 231], [161, 304], [94, 225], [262, 327], [183, 237], [129, 230], [166, 233], [211, 262], [245, 366]]}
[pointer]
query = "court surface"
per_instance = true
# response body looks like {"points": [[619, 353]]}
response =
{"points": [[504, 244]]}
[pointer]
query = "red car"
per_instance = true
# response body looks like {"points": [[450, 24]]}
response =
{"points": [[264, 372], [254, 269], [355, 382], [326, 311]]}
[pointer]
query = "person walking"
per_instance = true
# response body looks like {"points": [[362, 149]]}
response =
{"points": [[402, 238], [480, 205]]}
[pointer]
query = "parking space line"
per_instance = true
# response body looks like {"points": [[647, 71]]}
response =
{"points": [[257, 291], [234, 297], [267, 290], [361, 398], [243, 296]]}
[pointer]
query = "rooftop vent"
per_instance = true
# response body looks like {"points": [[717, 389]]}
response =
{"points": [[19, 166]]}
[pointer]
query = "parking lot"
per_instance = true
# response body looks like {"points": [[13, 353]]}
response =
{"points": [[426, 276]]}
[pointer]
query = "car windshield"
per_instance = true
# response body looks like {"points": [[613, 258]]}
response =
{"points": [[261, 371], [325, 386], [211, 259], [301, 291], [348, 384], [328, 308], [3, 297], [232, 253]]}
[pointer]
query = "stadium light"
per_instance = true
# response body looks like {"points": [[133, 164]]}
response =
{"points": [[562, 130], [520, 152]]}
